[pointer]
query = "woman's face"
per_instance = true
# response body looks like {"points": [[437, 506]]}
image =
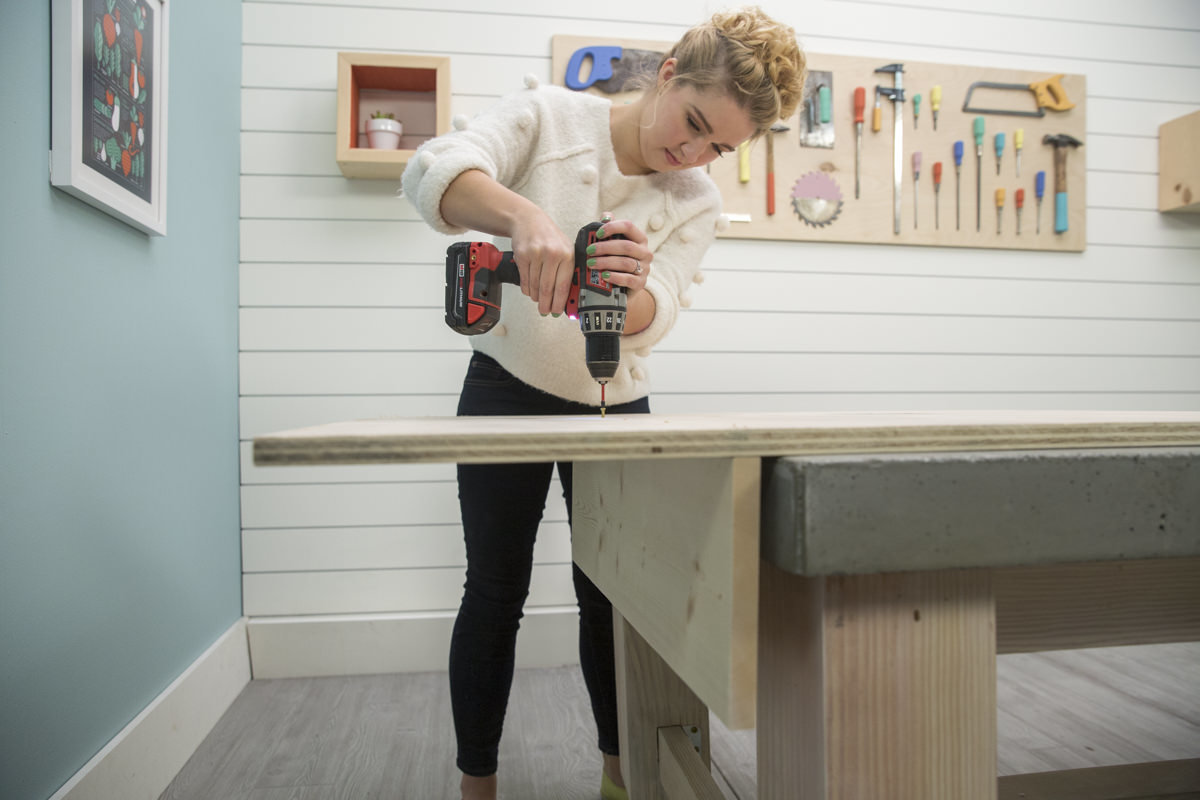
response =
{"points": [[683, 127]]}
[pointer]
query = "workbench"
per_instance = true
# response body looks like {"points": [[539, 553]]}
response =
{"points": [[844, 582]]}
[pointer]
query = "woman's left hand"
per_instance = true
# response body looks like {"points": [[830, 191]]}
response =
{"points": [[623, 262]]}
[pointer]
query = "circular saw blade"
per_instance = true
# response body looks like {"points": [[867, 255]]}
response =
{"points": [[817, 199]]}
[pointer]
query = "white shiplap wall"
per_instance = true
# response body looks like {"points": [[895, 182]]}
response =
{"points": [[359, 569]]}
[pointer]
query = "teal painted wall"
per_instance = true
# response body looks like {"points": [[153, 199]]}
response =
{"points": [[119, 541]]}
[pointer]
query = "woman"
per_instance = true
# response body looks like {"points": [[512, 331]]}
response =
{"points": [[534, 171]]}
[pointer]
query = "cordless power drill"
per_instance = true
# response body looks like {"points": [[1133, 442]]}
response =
{"points": [[475, 276]]}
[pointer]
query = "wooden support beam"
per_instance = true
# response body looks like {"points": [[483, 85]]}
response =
{"points": [[683, 774], [684, 573], [877, 686], [650, 696], [1161, 779], [1098, 604]]}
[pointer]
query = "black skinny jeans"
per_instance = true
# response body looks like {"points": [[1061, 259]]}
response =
{"points": [[502, 505]]}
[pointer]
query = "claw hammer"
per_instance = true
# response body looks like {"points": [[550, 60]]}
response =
{"points": [[1061, 143]]}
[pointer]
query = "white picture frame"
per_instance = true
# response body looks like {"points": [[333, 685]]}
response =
{"points": [[109, 107]]}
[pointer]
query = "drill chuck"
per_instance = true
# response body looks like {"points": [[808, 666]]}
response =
{"points": [[601, 312]]}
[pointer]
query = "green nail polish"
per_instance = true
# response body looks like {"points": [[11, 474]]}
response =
{"points": [[606, 275], [591, 262], [591, 249], [600, 233], [556, 316]]}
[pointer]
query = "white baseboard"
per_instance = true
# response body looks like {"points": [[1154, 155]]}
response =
{"points": [[372, 644], [142, 760]]}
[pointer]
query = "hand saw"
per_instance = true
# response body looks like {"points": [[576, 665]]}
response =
{"points": [[1048, 93]]}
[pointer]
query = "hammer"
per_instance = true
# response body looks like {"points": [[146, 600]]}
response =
{"points": [[1060, 143], [778, 127]]}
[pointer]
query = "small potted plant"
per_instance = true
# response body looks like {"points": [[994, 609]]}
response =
{"points": [[383, 131]]}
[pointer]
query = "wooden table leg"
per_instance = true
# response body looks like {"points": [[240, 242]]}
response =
{"points": [[877, 686], [650, 696]]}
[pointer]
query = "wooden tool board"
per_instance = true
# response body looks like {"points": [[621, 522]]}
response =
{"points": [[869, 219]]}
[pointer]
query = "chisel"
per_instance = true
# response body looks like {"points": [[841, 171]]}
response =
{"points": [[958, 157], [937, 195], [916, 162], [978, 174], [1039, 189], [860, 102]]}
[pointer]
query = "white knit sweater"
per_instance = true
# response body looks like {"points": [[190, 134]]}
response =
{"points": [[553, 146]]}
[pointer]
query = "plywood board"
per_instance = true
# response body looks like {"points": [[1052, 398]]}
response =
{"points": [[655, 436], [869, 218]]}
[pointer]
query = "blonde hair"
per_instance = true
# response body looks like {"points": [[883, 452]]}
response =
{"points": [[750, 56]]}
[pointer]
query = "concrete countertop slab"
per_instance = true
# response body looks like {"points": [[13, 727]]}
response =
{"points": [[846, 514]]}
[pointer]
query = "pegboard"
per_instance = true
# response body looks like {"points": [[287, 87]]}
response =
{"points": [[820, 181]]}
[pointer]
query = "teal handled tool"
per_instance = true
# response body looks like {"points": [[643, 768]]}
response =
{"points": [[978, 173]]}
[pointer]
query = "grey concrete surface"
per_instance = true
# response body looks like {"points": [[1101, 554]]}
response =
{"points": [[866, 514]]}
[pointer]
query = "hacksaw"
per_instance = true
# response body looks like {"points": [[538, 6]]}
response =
{"points": [[1048, 93]]}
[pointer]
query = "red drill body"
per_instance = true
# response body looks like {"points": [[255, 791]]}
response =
{"points": [[477, 271]]}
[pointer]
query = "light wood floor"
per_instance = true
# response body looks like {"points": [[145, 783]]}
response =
{"points": [[389, 737]]}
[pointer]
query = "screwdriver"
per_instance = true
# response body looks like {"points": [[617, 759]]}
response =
{"points": [[999, 150], [1020, 205], [1018, 145], [935, 103], [937, 194], [860, 102], [916, 162], [958, 155], [916, 109], [978, 174], [1039, 189], [999, 208]]}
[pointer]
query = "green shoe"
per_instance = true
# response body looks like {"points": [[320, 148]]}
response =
{"points": [[610, 791]]}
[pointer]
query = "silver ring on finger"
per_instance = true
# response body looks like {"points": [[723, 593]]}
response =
{"points": [[637, 271]]}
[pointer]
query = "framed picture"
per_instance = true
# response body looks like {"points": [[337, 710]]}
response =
{"points": [[109, 107]]}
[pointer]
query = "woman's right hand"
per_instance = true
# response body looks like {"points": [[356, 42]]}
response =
{"points": [[545, 258]]}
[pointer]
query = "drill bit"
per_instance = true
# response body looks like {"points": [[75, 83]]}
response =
{"points": [[602, 406]]}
